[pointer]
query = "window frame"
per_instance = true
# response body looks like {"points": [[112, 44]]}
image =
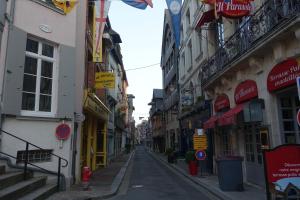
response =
{"points": [[54, 88]]}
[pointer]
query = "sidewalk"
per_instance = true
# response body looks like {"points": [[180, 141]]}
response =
{"points": [[104, 182], [210, 182]]}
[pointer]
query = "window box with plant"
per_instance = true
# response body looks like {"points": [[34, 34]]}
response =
{"points": [[190, 159]]}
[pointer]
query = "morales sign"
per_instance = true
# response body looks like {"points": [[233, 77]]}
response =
{"points": [[245, 91], [283, 74], [282, 168]]}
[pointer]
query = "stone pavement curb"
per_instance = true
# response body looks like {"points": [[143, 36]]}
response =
{"points": [[211, 190], [117, 180]]}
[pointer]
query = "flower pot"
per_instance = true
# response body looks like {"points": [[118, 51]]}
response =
{"points": [[193, 168]]}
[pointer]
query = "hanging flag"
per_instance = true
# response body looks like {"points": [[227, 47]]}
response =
{"points": [[174, 7], [140, 4], [101, 8], [65, 5]]}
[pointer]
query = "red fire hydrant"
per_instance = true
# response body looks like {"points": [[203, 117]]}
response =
{"points": [[86, 175]]}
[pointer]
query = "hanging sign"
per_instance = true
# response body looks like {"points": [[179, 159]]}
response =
{"points": [[233, 8], [65, 5], [282, 168], [245, 91], [283, 74], [104, 80], [221, 102]]}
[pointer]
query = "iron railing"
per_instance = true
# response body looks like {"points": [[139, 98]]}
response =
{"points": [[26, 162], [257, 27]]}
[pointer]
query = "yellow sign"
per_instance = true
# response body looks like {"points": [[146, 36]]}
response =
{"points": [[98, 28], [65, 5], [104, 80], [200, 142]]}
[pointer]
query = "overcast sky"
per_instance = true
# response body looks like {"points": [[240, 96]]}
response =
{"points": [[141, 34]]}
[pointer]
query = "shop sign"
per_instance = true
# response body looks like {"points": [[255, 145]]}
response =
{"points": [[233, 8], [221, 102], [283, 74], [245, 91], [282, 168], [104, 80]]}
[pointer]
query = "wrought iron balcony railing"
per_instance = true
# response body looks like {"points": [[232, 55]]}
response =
{"points": [[256, 28]]}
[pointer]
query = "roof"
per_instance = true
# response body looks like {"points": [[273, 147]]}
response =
{"points": [[157, 93]]}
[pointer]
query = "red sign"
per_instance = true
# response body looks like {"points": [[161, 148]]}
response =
{"points": [[221, 102], [283, 74], [63, 131], [282, 166], [233, 8], [245, 91]]}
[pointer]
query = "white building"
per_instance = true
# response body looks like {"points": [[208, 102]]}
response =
{"points": [[39, 66]]}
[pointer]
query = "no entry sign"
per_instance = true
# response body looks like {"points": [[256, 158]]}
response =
{"points": [[63, 131]]}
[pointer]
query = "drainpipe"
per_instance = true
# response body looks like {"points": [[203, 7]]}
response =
{"points": [[9, 17]]}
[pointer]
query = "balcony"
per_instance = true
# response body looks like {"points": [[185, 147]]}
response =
{"points": [[260, 28], [171, 100]]}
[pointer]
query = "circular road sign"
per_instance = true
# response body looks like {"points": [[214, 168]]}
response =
{"points": [[200, 155], [298, 117], [63, 131]]}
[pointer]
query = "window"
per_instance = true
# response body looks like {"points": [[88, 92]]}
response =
{"points": [[220, 33], [38, 84], [39, 155], [188, 19], [199, 34]]}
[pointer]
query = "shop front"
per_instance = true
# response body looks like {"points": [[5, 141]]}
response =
{"points": [[281, 82], [237, 130], [94, 133]]}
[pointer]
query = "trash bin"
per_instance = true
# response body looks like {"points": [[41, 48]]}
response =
{"points": [[230, 173]]}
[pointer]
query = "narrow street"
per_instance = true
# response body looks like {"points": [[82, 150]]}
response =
{"points": [[149, 179]]}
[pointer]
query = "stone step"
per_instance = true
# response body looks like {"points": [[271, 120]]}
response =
{"points": [[2, 169], [12, 178], [41, 193], [22, 188]]}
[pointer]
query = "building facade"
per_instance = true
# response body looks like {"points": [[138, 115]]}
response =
{"points": [[156, 118], [250, 79], [38, 69], [169, 65]]}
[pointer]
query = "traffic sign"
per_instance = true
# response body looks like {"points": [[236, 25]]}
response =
{"points": [[200, 155], [62, 131], [298, 117]]}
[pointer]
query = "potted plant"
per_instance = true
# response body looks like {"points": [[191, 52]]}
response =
{"points": [[127, 147], [190, 159], [171, 155]]}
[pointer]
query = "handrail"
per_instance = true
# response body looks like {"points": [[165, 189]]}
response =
{"points": [[26, 162], [66, 161], [255, 28]]}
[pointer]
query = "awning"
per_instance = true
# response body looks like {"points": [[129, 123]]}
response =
{"points": [[229, 117], [206, 17], [211, 122]]}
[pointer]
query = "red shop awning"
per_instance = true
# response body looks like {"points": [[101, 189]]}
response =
{"points": [[229, 117], [211, 122], [206, 17]]}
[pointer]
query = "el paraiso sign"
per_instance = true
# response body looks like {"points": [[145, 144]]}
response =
{"points": [[234, 8]]}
